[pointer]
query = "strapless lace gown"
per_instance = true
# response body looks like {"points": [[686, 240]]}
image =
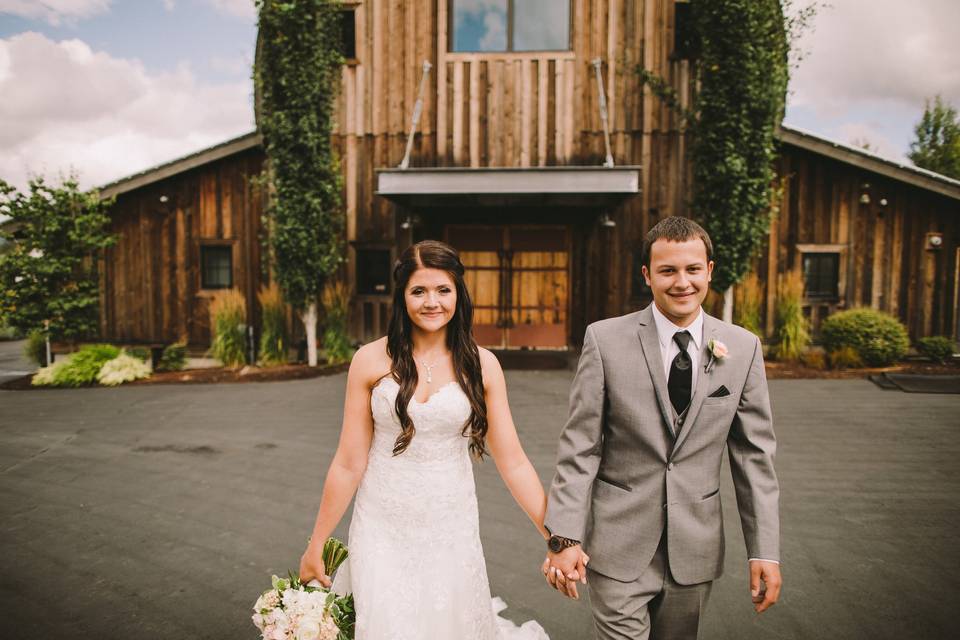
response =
{"points": [[416, 566]]}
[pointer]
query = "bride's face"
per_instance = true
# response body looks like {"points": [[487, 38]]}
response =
{"points": [[431, 298]]}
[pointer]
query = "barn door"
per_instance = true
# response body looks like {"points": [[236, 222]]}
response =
{"points": [[518, 278]]}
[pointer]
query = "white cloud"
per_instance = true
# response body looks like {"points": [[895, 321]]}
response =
{"points": [[239, 8], [67, 107], [54, 11], [169, 5], [870, 64]]}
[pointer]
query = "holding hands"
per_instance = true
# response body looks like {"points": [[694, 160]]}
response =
{"points": [[565, 568]]}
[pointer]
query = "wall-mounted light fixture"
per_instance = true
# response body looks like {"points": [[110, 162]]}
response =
{"points": [[934, 241], [865, 196], [607, 222], [407, 223], [883, 202], [164, 199]]}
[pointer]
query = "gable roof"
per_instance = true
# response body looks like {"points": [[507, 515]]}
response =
{"points": [[172, 168], [907, 173]]}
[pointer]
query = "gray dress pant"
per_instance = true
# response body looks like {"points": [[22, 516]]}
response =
{"points": [[652, 607]]}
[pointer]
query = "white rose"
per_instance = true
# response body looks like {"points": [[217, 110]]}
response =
{"points": [[308, 629]]}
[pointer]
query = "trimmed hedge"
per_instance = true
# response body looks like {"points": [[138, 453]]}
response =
{"points": [[937, 348], [878, 338]]}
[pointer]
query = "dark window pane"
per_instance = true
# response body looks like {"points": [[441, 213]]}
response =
{"points": [[541, 25], [373, 271], [684, 39], [478, 25], [821, 274], [216, 267], [348, 32]]}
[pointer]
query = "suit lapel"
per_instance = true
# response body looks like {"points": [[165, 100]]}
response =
{"points": [[710, 326], [650, 342]]}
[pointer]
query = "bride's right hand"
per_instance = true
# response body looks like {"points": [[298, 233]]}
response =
{"points": [[311, 566]]}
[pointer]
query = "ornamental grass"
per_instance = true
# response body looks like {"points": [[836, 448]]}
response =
{"points": [[274, 341], [228, 321]]}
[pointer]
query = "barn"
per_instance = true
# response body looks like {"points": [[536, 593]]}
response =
{"points": [[538, 155]]}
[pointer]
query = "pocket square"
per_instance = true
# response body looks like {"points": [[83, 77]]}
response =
{"points": [[721, 392]]}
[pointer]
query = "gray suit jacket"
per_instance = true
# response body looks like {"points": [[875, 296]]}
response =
{"points": [[628, 470]]}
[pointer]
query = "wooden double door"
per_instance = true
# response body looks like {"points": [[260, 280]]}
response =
{"points": [[518, 277]]}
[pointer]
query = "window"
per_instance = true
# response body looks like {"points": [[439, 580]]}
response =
{"points": [[373, 271], [216, 267], [348, 33], [509, 25], [821, 275], [684, 40]]}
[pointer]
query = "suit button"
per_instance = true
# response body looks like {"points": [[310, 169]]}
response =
{"points": [[670, 467], [679, 422]]}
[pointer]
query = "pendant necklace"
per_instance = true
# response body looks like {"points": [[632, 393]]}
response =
{"points": [[429, 367]]}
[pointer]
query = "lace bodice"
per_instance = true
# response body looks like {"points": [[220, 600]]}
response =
{"points": [[438, 421]]}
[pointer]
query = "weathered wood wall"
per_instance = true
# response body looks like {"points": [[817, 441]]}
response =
{"points": [[150, 280], [514, 109], [885, 262]]}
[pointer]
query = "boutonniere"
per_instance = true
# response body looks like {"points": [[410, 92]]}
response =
{"points": [[716, 350]]}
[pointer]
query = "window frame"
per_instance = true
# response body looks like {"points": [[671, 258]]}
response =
{"points": [[840, 251], [351, 7], [389, 251], [509, 51], [225, 246]]}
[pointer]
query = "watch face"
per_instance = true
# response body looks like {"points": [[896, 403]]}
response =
{"points": [[555, 545]]}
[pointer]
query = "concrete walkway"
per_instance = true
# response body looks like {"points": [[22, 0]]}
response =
{"points": [[13, 363], [160, 512]]}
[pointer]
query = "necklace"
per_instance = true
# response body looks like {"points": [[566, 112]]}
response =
{"points": [[429, 367]]}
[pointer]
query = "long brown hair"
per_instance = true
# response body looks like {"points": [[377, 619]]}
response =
{"points": [[466, 358]]}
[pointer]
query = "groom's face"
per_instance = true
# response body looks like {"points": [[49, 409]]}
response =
{"points": [[678, 273]]}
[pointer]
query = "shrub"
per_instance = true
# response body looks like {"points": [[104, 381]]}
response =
{"points": [[228, 313], [84, 365], [174, 357], [273, 338], [8, 333], [844, 358], [336, 304], [878, 338], [36, 348], [746, 304], [793, 333], [814, 360], [937, 348], [45, 376], [141, 353], [123, 368]]}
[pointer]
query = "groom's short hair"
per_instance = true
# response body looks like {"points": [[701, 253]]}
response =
{"points": [[676, 229]]}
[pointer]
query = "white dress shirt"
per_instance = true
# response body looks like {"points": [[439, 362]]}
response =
{"points": [[669, 350], [669, 347]]}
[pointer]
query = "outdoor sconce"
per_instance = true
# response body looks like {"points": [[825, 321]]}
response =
{"points": [[164, 199], [934, 241], [606, 222], [883, 202], [865, 198], [406, 224]]}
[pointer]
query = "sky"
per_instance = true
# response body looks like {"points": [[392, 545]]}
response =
{"points": [[107, 88]]}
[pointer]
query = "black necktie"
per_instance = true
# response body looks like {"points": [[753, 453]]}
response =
{"points": [[681, 373]]}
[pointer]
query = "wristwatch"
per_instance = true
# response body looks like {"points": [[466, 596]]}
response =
{"points": [[557, 544]]}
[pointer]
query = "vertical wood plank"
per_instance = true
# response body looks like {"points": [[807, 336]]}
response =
{"points": [[542, 89], [458, 113], [475, 113]]}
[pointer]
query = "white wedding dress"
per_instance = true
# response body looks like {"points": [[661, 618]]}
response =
{"points": [[415, 564]]}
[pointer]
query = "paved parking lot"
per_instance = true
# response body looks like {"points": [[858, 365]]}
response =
{"points": [[160, 512]]}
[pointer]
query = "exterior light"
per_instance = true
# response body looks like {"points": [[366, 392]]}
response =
{"points": [[883, 202], [865, 198], [406, 224], [164, 199], [605, 221]]}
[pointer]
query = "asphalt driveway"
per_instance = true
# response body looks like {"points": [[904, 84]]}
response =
{"points": [[162, 511]]}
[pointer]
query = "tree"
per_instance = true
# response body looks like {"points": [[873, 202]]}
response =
{"points": [[297, 76], [742, 70], [937, 146], [49, 274]]}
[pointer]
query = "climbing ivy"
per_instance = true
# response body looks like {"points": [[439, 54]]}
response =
{"points": [[742, 70], [297, 77]]}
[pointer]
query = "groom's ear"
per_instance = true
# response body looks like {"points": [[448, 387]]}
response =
{"points": [[646, 273], [710, 271]]}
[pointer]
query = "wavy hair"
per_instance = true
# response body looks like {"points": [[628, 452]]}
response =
{"points": [[432, 254]]}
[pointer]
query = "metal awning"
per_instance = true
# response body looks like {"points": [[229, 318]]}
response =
{"points": [[549, 186]]}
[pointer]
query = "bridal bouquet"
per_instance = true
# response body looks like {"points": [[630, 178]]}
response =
{"points": [[291, 610]]}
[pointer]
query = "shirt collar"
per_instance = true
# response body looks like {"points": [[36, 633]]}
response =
{"points": [[666, 328]]}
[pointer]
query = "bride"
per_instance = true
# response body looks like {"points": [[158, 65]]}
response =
{"points": [[420, 403]]}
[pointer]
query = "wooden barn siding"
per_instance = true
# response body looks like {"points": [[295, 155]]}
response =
{"points": [[514, 110], [885, 264], [151, 277]]}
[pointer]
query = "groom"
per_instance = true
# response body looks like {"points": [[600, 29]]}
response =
{"points": [[658, 395]]}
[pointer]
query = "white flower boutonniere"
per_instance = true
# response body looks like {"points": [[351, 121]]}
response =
{"points": [[717, 351]]}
